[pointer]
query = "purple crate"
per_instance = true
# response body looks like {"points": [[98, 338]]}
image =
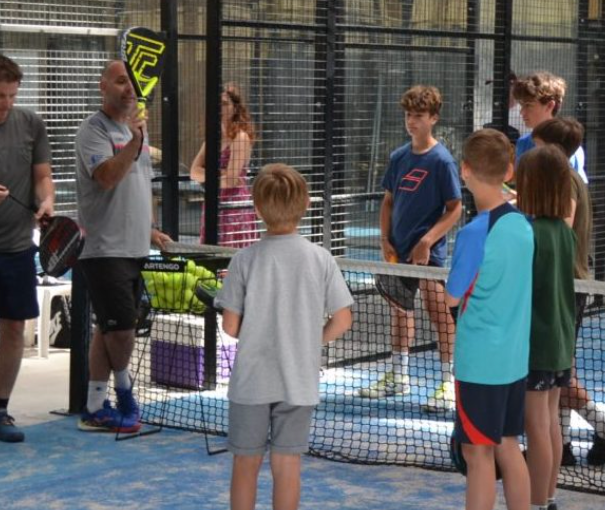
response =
{"points": [[182, 366]]}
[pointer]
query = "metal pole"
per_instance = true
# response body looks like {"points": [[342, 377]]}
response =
{"points": [[213, 149], [81, 333], [502, 58], [329, 121], [170, 121]]}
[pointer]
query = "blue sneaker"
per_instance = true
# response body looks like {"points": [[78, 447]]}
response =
{"points": [[9, 433], [108, 419], [127, 404]]}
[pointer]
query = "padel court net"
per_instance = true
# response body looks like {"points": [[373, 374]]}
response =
{"points": [[366, 415]]}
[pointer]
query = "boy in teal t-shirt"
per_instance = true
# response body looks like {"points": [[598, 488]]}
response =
{"points": [[490, 283]]}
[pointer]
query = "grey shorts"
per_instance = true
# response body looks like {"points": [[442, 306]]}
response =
{"points": [[285, 427]]}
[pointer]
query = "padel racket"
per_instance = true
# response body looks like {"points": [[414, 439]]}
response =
{"points": [[61, 242], [142, 51], [398, 291]]}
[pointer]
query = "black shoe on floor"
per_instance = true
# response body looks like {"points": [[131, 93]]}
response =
{"points": [[552, 506], [9, 433], [568, 458], [596, 455]]}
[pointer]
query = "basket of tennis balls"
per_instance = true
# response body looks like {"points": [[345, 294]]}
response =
{"points": [[170, 284]]}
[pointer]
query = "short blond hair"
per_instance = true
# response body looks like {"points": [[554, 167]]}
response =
{"points": [[489, 155], [541, 87], [280, 195], [422, 98]]}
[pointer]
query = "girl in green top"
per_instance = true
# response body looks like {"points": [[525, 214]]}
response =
{"points": [[544, 192]]}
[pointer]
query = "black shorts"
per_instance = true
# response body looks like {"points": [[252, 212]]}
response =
{"points": [[18, 298], [544, 380], [400, 291], [487, 413], [115, 287]]}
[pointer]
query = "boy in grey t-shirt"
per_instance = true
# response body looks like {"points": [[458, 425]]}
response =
{"points": [[275, 299]]}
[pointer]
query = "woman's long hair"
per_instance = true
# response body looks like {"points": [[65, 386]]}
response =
{"points": [[241, 120]]}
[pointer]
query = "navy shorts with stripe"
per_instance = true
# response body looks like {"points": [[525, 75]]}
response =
{"points": [[18, 297], [487, 413]]}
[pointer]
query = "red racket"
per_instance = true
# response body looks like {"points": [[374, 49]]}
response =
{"points": [[61, 242]]}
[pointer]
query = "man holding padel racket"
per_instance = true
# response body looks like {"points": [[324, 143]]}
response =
{"points": [[25, 174], [113, 171]]}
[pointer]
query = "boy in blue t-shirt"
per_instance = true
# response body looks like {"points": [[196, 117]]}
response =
{"points": [[491, 284], [422, 202], [541, 96]]}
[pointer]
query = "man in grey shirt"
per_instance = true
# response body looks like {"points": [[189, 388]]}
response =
{"points": [[113, 177], [25, 174]]}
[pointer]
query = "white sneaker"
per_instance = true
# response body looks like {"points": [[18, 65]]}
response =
{"points": [[442, 399], [387, 386]]}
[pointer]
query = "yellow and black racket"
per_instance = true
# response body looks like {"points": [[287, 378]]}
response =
{"points": [[143, 50]]}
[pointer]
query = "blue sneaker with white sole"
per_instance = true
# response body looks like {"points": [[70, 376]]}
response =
{"points": [[108, 419], [127, 404]]}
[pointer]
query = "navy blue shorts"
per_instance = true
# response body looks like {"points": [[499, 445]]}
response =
{"points": [[115, 287], [487, 413], [18, 299]]}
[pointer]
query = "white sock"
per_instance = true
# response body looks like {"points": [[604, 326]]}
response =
{"points": [[595, 417], [551, 501], [566, 424], [97, 393], [121, 379], [401, 363]]}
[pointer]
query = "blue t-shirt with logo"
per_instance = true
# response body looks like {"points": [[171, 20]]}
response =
{"points": [[421, 184], [577, 160], [492, 276]]}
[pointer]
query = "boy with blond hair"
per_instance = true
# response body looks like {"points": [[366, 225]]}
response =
{"points": [[275, 298], [422, 202], [490, 283], [541, 97]]}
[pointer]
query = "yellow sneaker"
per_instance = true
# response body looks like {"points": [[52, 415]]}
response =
{"points": [[443, 399], [387, 386]]}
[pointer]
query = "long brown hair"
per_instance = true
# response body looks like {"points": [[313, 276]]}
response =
{"points": [[241, 120], [544, 183]]}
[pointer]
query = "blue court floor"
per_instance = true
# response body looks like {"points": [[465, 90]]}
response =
{"points": [[61, 468]]}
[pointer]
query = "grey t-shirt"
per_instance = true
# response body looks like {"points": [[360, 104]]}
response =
{"points": [[23, 144], [118, 221], [283, 287]]}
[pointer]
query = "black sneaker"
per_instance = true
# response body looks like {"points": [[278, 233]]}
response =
{"points": [[568, 458], [9, 433], [552, 506], [596, 455]]}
